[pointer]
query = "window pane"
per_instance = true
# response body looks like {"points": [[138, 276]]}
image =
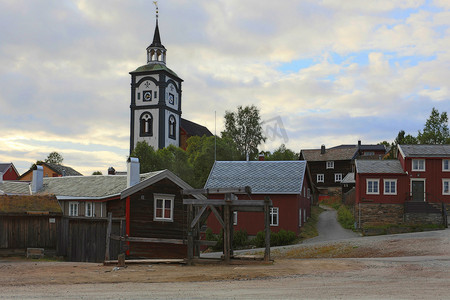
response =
{"points": [[159, 203]]}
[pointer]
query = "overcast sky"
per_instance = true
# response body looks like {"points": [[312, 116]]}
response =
{"points": [[321, 72]]}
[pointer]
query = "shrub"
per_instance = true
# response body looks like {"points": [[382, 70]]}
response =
{"points": [[240, 239], [281, 238], [345, 217]]}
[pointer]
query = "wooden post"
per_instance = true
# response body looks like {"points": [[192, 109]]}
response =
{"points": [[226, 229], [108, 235], [267, 228], [190, 238]]}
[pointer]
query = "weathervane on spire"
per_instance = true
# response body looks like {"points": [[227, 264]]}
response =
{"points": [[156, 5]]}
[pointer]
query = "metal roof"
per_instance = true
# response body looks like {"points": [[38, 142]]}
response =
{"points": [[391, 166], [349, 178], [337, 153], [264, 177], [425, 150]]}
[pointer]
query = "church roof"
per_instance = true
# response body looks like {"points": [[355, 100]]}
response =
{"points": [[194, 129], [154, 67], [157, 38]]}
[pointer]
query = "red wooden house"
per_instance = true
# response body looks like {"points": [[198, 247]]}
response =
{"points": [[287, 183], [8, 172], [413, 189]]}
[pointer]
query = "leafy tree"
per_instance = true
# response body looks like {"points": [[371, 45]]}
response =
{"points": [[147, 157], [435, 130], [282, 153], [244, 128], [97, 173], [200, 152], [54, 158]]}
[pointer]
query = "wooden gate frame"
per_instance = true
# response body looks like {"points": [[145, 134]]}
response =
{"points": [[196, 216]]}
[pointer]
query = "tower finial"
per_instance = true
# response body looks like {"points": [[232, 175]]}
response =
{"points": [[156, 5]]}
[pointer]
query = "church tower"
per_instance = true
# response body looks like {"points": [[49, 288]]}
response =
{"points": [[155, 99]]}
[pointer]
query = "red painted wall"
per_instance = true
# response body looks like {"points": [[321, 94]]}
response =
{"points": [[363, 197], [10, 174], [252, 222]]}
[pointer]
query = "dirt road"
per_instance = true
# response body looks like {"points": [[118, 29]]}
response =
{"points": [[408, 266]]}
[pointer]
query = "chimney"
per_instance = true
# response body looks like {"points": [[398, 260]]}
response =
{"points": [[322, 149], [359, 144], [132, 171], [261, 157], [111, 171], [38, 179]]}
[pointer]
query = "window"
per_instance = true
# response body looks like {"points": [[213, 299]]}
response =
{"points": [[445, 186], [418, 164], [373, 186], [338, 177], [235, 217], [146, 124], [172, 127], [320, 178], [163, 207], [73, 209], [274, 216], [368, 153], [330, 164], [89, 209], [390, 186], [446, 165]]}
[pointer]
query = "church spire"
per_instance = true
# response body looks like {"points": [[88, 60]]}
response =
{"points": [[156, 52]]}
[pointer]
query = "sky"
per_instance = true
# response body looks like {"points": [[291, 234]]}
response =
{"points": [[321, 71]]}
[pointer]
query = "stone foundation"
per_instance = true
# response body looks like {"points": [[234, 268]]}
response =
{"points": [[376, 214], [418, 218]]}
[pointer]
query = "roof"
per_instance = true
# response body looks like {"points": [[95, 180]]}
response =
{"points": [[349, 178], [5, 166], [154, 67], [155, 177], [388, 166], [264, 177], [94, 186], [424, 150], [336, 153], [157, 38], [60, 169], [194, 129], [26, 204], [15, 187]]}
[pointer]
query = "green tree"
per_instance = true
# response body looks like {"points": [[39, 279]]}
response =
{"points": [[147, 157], [244, 128], [97, 173], [435, 130], [282, 153], [401, 139], [54, 158]]}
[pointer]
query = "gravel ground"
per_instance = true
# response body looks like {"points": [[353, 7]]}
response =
{"points": [[404, 266]]}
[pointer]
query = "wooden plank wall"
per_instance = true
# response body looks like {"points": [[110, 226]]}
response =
{"points": [[32, 231], [84, 239]]}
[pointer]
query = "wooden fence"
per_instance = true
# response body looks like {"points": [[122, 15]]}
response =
{"points": [[74, 238]]}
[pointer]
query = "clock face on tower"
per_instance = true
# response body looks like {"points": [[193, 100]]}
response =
{"points": [[147, 95], [171, 99]]}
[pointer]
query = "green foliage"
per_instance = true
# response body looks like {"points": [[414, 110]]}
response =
{"points": [[280, 238], [54, 158], [244, 128], [147, 157], [97, 173], [435, 130], [282, 153], [240, 239], [309, 229], [345, 217]]}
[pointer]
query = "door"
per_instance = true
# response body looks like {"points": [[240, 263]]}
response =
{"points": [[418, 190]]}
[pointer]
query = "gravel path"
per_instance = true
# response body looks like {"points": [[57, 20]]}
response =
{"points": [[329, 228]]}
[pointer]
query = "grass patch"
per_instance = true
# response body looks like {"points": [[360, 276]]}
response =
{"points": [[345, 217], [309, 229]]}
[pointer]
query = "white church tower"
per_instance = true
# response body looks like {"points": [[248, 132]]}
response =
{"points": [[155, 99]]}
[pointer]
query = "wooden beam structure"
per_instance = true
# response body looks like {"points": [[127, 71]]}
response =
{"points": [[223, 211]]}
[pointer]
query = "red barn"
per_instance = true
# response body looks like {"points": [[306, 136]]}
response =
{"points": [[287, 183]]}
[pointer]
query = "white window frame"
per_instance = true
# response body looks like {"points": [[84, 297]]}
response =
{"points": [[164, 198], [445, 181], [367, 186], [444, 162], [86, 205], [417, 167], [389, 192], [337, 176], [235, 217], [274, 211], [330, 164], [320, 178], [73, 208]]}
